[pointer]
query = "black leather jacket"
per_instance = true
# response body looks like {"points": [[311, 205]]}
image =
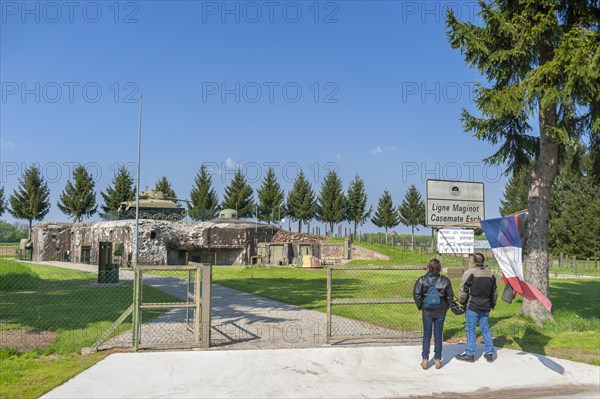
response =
{"points": [[444, 287]]}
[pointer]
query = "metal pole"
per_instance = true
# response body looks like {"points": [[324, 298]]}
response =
{"points": [[137, 193], [329, 277]]}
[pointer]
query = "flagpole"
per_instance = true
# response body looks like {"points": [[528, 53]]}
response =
{"points": [[137, 192]]}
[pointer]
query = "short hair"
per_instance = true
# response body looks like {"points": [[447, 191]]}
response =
{"points": [[478, 259], [434, 267]]}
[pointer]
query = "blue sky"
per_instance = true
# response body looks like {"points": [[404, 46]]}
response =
{"points": [[367, 87]]}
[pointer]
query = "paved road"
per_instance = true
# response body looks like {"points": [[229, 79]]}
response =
{"points": [[331, 372]]}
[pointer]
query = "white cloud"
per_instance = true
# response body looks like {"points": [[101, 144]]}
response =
{"points": [[377, 150], [231, 164]]}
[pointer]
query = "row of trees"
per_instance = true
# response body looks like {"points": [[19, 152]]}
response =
{"points": [[333, 204]]}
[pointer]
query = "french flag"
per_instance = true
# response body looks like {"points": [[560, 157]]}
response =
{"points": [[505, 236]]}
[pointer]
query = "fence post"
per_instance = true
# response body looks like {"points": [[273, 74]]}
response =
{"points": [[135, 336], [560, 261], [329, 276], [206, 305], [588, 264], [596, 262], [198, 301], [575, 264]]}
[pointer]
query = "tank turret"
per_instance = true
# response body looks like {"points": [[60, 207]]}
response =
{"points": [[153, 205]]}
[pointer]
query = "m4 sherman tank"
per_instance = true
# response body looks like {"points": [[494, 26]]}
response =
{"points": [[153, 205]]}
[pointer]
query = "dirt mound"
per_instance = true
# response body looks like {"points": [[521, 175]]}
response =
{"points": [[288, 236]]}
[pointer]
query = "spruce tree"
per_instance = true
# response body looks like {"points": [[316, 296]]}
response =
{"points": [[357, 212], [164, 186], [331, 203], [412, 211], [239, 196], [541, 61], [123, 189], [301, 205], [204, 199], [79, 199], [2, 201], [516, 192], [386, 215], [270, 198], [31, 200]]}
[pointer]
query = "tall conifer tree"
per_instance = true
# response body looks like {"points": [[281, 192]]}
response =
{"points": [[301, 205], [204, 199], [79, 199], [270, 198], [31, 200], [239, 196], [331, 203]]}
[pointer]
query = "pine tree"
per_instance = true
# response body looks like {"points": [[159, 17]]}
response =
{"points": [[239, 196], [2, 201], [270, 198], [386, 215], [79, 200], [541, 61], [123, 190], [301, 205], [331, 203], [31, 200], [204, 199], [412, 211], [516, 192], [164, 186], [356, 211]]}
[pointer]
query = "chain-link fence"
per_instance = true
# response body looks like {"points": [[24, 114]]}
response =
{"points": [[65, 307], [372, 302]]}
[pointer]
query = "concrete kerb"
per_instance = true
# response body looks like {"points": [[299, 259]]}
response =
{"points": [[330, 372]]}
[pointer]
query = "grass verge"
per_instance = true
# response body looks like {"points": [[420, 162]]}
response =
{"points": [[67, 305]]}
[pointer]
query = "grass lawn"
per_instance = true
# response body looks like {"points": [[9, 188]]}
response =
{"points": [[572, 335], [66, 303]]}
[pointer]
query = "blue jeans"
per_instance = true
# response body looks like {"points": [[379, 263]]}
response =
{"points": [[472, 317], [437, 325]]}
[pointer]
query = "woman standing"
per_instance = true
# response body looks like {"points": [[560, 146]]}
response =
{"points": [[433, 295]]}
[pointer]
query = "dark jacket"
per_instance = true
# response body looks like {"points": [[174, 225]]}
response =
{"points": [[444, 287], [478, 290]]}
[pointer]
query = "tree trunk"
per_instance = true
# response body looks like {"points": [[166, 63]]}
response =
{"points": [[29, 231], [299, 225], [412, 238], [331, 229], [541, 179], [386, 235]]}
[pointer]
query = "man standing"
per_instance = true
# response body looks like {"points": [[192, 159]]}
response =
{"points": [[478, 292]]}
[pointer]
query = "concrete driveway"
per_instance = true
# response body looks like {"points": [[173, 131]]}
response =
{"points": [[329, 372]]}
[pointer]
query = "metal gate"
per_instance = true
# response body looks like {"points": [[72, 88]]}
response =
{"points": [[171, 307], [372, 302]]}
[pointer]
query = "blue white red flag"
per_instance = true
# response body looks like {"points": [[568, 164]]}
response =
{"points": [[505, 236]]}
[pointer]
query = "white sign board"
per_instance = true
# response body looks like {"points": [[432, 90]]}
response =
{"points": [[455, 241], [454, 202]]}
